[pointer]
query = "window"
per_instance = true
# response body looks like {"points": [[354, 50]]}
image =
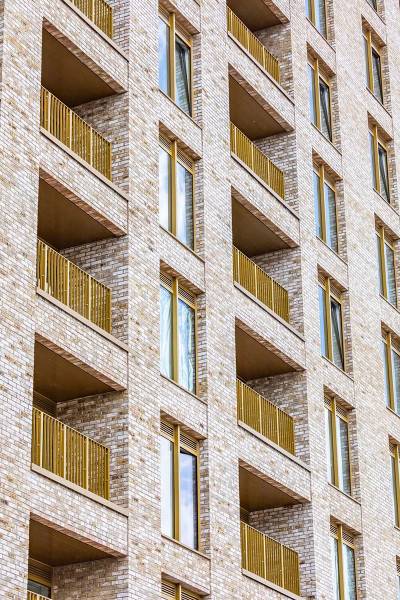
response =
{"points": [[316, 13], [175, 62], [386, 266], [320, 100], [179, 485], [178, 333], [391, 368], [39, 578], [331, 325], [344, 564], [379, 165], [373, 67], [373, 3], [325, 208], [394, 457], [338, 447], [176, 192], [174, 591]]}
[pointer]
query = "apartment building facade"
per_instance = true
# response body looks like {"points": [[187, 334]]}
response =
{"points": [[199, 332]]}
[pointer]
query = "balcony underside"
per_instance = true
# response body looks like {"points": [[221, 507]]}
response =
{"points": [[258, 494], [251, 235], [254, 13]]}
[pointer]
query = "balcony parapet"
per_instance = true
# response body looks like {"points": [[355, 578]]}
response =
{"points": [[69, 454], [33, 596], [98, 11], [269, 559]]}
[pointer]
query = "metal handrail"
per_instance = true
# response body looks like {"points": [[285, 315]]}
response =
{"points": [[34, 596], [98, 11]]}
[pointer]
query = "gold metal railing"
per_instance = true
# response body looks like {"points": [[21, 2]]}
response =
{"points": [[253, 45], [269, 559], [69, 454], [98, 11], [33, 596], [256, 281], [59, 277], [72, 131], [263, 416], [256, 160]]}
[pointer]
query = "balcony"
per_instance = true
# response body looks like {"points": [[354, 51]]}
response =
{"points": [[70, 455], [98, 11], [264, 417], [248, 153], [33, 596], [269, 559], [67, 283], [77, 135], [251, 277], [252, 45]]}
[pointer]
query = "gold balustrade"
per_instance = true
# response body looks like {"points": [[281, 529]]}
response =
{"points": [[252, 44], [256, 281], [33, 596], [70, 454], [59, 277], [98, 11], [269, 559], [72, 131], [257, 161], [264, 417]]}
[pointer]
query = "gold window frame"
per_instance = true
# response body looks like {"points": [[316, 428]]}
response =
{"points": [[315, 65], [325, 284], [323, 179], [344, 538], [337, 411], [385, 241]]}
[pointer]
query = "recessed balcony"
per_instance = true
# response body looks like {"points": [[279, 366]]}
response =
{"points": [[259, 284], [67, 283], [263, 416], [98, 11], [33, 596]]}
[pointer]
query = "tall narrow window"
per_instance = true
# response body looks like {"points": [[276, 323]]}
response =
{"points": [[177, 333], [386, 266], [337, 430], [391, 366], [394, 457], [325, 208], [320, 100], [179, 485], [175, 62], [344, 564], [373, 66], [316, 13], [331, 323], [373, 3], [175, 591], [379, 165], [176, 192]]}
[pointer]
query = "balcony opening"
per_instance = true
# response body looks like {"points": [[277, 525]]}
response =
{"points": [[71, 433], [77, 105], [265, 263], [81, 259], [274, 538], [262, 141]]}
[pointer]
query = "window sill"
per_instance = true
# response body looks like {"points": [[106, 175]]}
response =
{"points": [[344, 493], [393, 412], [193, 252], [330, 362], [332, 251], [187, 115], [371, 93], [328, 141], [389, 303], [387, 202], [271, 585], [178, 543], [183, 388], [375, 12], [321, 35]]}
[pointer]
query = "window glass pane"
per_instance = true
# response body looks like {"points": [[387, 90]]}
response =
{"points": [[372, 150], [317, 205], [38, 588], [165, 332], [343, 455], [167, 486], [390, 274], [165, 188], [366, 56], [385, 372], [394, 490], [337, 341], [320, 16], [322, 322], [349, 573], [186, 350], [330, 218], [377, 75], [308, 9], [183, 76], [324, 95], [313, 112], [184, 205], [372, 3], [396, 380], [329, 445], [380, 266], [163, 56], [335, 562], [383, 172], [188, 498]]}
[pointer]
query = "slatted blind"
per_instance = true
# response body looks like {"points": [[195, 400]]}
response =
{"points": [[167, 429], [39, 571]]}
